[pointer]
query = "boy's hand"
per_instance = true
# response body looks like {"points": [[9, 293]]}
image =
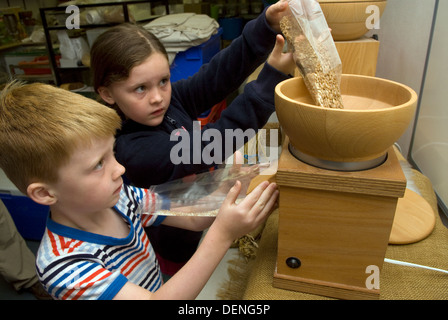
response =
{"points": [[275, 13], [235, 220], [283, 62]]}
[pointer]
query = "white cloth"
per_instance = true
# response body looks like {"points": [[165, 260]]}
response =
{"points": [[181, 31]]}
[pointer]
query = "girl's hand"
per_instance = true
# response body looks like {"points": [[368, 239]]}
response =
{"points": [[283, 62], [275, 13]]}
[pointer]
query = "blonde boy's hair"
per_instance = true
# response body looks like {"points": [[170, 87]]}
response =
{"points": [[41, 125]]}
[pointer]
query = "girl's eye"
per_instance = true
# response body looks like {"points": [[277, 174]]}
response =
{"points": [[140, 89], [164, 82]]}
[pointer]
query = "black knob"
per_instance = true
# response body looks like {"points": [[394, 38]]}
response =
{"points": [[293, 262]]}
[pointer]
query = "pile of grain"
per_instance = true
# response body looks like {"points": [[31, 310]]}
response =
{"points": [[321, 80]]}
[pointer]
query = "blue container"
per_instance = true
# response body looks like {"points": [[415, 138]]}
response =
{"points": [[188, 62], [29, 217]]}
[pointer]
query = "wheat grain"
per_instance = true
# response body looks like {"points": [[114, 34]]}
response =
{"points": [[320, 78]]}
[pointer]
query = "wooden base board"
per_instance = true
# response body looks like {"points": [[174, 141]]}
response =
{"points": [[322, 288], [414, 219]]}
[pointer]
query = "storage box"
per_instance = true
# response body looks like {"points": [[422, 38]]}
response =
{"points": [[22, 55], [29, 217], [188, 62], [213, 114], [40, 65]]}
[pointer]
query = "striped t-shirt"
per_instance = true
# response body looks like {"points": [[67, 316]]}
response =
{"points": [[74, 264]]}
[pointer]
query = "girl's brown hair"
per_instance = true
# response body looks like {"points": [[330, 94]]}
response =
{"points": [[116, 51]]}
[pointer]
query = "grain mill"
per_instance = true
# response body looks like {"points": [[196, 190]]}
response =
{"points": [[339, 180]]}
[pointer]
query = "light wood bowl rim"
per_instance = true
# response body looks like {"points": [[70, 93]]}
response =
{"points": [[413, 95]]}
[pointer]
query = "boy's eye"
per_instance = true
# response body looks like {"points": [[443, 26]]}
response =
{"points": [[99, 165]]}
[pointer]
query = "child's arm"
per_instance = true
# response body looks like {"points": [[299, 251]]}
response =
{"points": [[233, 221], [193, 203], [231, 66]]}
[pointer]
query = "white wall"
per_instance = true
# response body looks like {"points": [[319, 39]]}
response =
{"points": [[404, 35], [430, 146], [404, 50]]}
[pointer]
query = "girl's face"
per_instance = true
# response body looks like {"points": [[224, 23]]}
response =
{"points": [[145, 96]]}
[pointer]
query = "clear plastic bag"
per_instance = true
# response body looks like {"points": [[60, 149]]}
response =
{"points": [[314, 51], [198, 195]]}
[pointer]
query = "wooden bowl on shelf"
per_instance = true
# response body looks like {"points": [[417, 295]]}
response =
{"points": [[376, 113], [347, 19]]}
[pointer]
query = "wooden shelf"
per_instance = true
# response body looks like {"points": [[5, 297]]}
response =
{"points": [[61, 10]]}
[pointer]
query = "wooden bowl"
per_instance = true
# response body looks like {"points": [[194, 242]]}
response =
{"points": [[347, 19], [376, 113]]}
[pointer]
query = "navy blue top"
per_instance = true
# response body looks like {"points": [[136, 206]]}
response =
{"points": [[145, 151]]}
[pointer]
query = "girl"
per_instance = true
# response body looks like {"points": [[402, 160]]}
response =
{"points": [[132, 73]]}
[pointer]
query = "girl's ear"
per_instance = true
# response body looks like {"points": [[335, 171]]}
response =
{"points": [[41, 193], [106, 95]]}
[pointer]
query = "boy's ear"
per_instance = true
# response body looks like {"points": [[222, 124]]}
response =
{"points": [[105, 95], [41, 193]]}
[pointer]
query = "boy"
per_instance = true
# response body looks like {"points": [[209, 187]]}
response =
{"points": [[57, 147]]}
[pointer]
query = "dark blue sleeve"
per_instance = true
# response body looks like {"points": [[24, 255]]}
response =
{"points": [[227, 70], [147, 155]]}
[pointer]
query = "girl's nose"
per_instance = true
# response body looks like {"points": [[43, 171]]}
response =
{"points": [[156, 96]]}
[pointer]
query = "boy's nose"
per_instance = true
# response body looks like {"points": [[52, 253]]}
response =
{"points": [[119, 170]]}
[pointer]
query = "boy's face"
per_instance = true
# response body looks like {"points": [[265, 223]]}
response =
{"points": [[145, 96], [91, 181]]}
